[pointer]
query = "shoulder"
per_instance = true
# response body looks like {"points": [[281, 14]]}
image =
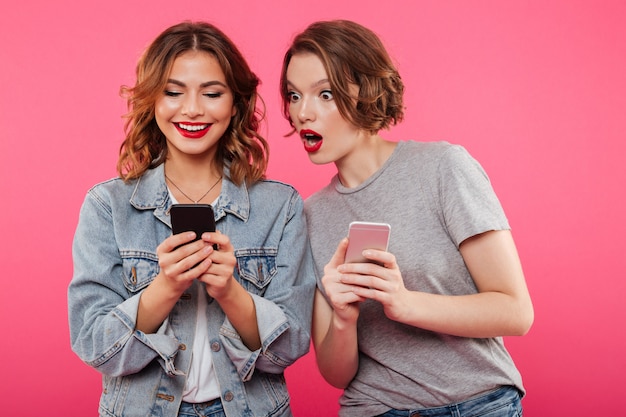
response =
{"points": [[112, 188], [112, 184], [323, 194], [106, 197], [274, 193], [274, 184], [430, 150], [434, 157], [273, 187], [323, 202]]}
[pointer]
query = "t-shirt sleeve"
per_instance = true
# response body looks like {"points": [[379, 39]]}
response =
{"points": [[469, 203]]}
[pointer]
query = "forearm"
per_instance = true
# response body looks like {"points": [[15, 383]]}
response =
{"points": [[155, 304], [109, 343], [482, 315], [500, 307], [284, 320], [336, 345], [338, 355], [240, 310]]}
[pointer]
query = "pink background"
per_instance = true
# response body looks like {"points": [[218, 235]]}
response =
{"points": [[535, 90]]}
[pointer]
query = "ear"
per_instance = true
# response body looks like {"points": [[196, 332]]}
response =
{"points": [[234, 111]]}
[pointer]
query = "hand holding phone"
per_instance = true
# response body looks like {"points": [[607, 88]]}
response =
{"points": [[366, 235], [198, 218]]}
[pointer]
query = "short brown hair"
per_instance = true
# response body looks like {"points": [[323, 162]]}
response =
{"points": [[145, 146], [352, 54]]}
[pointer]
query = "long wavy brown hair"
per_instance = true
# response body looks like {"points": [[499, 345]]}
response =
{"points": [[352, 54], [242, 147]]}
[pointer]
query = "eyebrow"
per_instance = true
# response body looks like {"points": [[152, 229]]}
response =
{"points": [[315, 84], [203, 85]]}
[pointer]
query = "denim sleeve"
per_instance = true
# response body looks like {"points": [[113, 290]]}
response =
{"points": [[102, 311], [284, 310]]}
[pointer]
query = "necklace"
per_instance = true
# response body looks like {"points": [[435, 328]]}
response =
{"points": [[189, 198]]}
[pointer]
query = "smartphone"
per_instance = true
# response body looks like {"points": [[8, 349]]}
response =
{"points": [[198, 218], [366, 235]]}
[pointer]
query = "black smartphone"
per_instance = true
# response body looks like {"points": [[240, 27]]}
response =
{"points": [[198, 218], [366, 235]]}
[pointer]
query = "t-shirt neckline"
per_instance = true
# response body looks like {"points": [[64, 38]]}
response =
{"points": [[348, 190]]}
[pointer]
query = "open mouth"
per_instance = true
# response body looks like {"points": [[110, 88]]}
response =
{"points": [[192, 130], [192, 127], [312, 140]]}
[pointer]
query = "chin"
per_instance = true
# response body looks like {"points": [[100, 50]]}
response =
{"points": [[318, 161]]}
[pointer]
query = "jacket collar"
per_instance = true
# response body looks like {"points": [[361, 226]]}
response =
{"points": [[151, 193]]}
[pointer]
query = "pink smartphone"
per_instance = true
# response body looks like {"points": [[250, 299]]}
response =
{"points": [[366, 235]]}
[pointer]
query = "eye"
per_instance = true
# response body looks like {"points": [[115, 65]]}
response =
{"points": [[326, 95], [293, 97], [171, 93], [213, 95]]}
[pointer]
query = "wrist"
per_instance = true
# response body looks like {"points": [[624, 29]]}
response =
{"points": [[343, 324], [169, 288], [227, 294]]}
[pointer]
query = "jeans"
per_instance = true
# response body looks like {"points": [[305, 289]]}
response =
{"points": [[503, 402], [208, 409]]}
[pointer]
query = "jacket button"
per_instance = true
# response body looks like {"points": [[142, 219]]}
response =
{"points": [[215, 347], [182, 346], [229, 396], [166, 397]]}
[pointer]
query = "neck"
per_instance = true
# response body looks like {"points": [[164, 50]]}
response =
{"points": [[191, 170], [364, 161], [193, 184]]}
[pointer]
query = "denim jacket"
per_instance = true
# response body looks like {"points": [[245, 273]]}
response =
{"points": [[114, 252]]}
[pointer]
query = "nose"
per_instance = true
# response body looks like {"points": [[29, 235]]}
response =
{"points": [[192, 107], [306, 110]]}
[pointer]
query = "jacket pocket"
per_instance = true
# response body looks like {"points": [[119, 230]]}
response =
{"points": [[139, 269], [256, 268]]}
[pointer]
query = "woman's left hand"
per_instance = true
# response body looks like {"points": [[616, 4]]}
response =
{"points": [[495, 268], [220, 284], [219, 276], [381, 281]]}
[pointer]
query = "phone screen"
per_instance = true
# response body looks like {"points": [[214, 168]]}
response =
{"points": [[366, 235], [198, 218]]}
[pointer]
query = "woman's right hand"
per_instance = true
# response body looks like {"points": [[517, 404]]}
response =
{"points": [[181, 261], [334, 324], [343, 300]]}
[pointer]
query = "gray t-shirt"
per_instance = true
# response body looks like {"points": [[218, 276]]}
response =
{"points": [[434, 196]]}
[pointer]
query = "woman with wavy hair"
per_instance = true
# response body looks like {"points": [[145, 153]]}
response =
{"points": [[179, 325]]}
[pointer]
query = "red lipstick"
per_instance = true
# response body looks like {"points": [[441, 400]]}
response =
{"points": [[192, 130], [311, 140]]}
